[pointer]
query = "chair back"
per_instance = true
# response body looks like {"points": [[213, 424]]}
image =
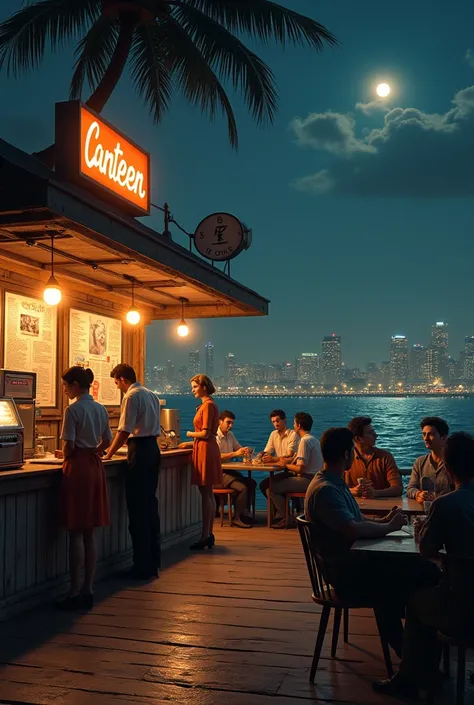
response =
{"points": [[308, 535], [459, 582]]}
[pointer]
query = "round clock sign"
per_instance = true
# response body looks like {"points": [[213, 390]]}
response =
{"points": [[221, 237]]}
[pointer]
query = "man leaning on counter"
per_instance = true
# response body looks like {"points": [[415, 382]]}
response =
{"points": [[139, 427]]}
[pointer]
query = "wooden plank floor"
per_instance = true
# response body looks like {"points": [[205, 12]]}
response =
{"points": [[234, 625]]}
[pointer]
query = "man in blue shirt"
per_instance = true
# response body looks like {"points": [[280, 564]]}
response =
{"points": [[359, 577], [450, 525]]}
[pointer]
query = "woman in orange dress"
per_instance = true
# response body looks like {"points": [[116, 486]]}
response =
{"points": [[206, 456]]}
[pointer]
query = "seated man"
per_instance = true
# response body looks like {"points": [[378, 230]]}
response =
{"points": [[230, 448], [304, 465], [376, 466], [281, 445], [429, 477], [450, 525], [360, 577]]}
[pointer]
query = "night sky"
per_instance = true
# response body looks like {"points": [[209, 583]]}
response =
{"points": [[362, 217]]}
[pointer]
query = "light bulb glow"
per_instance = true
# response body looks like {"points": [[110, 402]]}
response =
{"points": [[52, 293], [133, 316], [183, 329]]}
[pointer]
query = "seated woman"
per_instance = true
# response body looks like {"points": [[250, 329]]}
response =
{"points": [[85, 435]]}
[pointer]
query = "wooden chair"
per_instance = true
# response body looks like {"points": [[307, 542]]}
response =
{"points": [[288, 497], [459, 580], [324, 595], [221, 494]]}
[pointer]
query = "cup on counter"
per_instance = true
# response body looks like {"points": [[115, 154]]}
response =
{"points": [[361, 481], [40, 452]]}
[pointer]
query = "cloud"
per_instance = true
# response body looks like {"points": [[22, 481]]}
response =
{"points": [[372, 108], [329, 131], [469, 58], [413, 154]]}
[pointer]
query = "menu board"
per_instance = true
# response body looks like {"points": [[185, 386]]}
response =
{"points": [[96, 341], [30, 342]]}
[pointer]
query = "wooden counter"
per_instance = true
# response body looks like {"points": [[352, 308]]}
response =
{"points": [[33, 551]]}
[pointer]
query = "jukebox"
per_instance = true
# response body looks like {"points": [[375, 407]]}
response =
{"points": [[11, 435], [21, 387]]}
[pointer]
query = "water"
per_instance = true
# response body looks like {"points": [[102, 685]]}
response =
{"points": [[396, 419]]}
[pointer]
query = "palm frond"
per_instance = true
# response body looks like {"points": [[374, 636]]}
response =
{"points": [[233, 61], [149, 72], [264, 20], [25, 35], [195, 77], [93, 54]]}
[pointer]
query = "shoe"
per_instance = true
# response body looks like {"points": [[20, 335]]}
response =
{"points": [[248, 519], [134, 573], [282, 525], [397, 686], [240, 524], [88, 600], [69, 604], [203, 543]]}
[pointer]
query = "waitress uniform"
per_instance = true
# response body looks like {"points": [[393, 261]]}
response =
{"points": [[83, 495]]}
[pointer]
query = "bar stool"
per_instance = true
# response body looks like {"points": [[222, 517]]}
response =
{"points": [[222, 494]]}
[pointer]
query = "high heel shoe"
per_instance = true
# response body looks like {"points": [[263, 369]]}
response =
{"points": [[202, 544]]}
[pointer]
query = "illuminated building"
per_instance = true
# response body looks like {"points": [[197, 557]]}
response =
{"points": [[307, 368], [209, 357], [331, 359], [398, 359]]}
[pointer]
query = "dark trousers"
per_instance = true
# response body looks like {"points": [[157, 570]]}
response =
{"points": [[141, 482], [385, 582]]}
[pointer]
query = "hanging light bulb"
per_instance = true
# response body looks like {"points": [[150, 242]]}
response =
{"points": [[183, 328], [52, 293], [133, 315]]}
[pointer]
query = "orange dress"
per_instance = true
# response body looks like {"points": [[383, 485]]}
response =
{"points": [[207, 464]]}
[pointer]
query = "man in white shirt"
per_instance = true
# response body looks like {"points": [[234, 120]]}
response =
{"points": [[281, 445], [139, 427], [230, 449], [307, 461]]}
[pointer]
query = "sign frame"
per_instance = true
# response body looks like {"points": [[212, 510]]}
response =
{"points": [[68, 155]]}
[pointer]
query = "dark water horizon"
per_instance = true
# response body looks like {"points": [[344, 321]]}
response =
{"points": [[395, 419]]}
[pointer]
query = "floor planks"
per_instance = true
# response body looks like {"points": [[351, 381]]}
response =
{"points": [[234, 625]]}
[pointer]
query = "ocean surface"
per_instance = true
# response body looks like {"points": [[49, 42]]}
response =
{"points": [[395, 419]]}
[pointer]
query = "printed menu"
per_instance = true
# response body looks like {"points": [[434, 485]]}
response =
{"points": [[30, 342], [95, 341]]}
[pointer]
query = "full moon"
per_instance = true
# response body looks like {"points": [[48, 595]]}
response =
{"points": [[383, 90]]}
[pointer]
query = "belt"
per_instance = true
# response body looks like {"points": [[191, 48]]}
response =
{"points": [[141, 438]]}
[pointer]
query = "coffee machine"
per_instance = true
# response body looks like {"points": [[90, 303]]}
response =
{"points": [[21, 387], [170, 429]]}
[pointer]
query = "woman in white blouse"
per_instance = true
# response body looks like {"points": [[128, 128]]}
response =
{"points": [[85, 435]]}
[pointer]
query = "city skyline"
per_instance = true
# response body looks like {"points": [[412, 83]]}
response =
{"points": [[415, 365]]}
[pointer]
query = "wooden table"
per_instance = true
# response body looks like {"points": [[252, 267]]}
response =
{"points": [[382, 505], [242, 467], [398, 542]]}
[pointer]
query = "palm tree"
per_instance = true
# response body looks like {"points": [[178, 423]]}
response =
{"points": [[190, 45]]}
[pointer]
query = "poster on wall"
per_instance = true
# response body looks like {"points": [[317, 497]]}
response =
{"points": [[30, 342], [95, 341]]}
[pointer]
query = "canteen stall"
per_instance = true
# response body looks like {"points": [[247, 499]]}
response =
{"points": [[80, 280]]}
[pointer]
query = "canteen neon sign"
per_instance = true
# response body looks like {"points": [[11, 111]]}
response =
{"points": [[102, 157]]}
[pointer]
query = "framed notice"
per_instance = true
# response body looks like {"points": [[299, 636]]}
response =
{"points": [[95, 341], [30, 342]]}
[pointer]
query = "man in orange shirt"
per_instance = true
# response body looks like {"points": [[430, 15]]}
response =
{"points": [[375, 467]]}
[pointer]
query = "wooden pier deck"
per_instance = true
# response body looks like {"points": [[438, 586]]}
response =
{"points": [[234, 626]]}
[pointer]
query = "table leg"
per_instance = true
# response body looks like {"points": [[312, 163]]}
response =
{"points": [[269, 501]]}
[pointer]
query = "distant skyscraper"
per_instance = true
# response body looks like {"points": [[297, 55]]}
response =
{"points": [[194, 365], [331, 359], [307, 368], [273, 374], [230, 369], [433, 365], [288, 372], [385, 374], [183, 377], [469, 359], [439, 340], [398, 359], [418, 370], [373, 373], [209, 350]]}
